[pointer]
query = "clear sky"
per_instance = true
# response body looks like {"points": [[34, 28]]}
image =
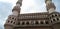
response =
{"points": [[29, 6]]}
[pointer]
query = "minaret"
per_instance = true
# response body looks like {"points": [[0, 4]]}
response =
{"points": [[50, 6], [12, 19], [16, 9]]}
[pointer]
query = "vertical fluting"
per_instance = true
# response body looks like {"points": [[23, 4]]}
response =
{"points": [[50, 6]]}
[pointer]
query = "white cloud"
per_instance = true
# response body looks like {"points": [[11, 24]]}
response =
{"points": [[29, 6], [32, 6], [9, 1]]}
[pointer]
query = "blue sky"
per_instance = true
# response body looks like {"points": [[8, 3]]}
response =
{"points": [[5, 9], [30, 6]]}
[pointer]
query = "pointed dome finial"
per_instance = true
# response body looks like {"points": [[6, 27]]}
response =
{"points": [[19, 2]]}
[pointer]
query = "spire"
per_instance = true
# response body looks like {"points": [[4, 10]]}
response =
{"points": [[19, 2], [50, 6], [16, 9]]}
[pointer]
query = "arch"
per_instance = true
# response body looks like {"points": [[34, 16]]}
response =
{"points": [[46, 22], [56, 15], [52, 15], [54, 20], [27, 23], [57, 19], [23, 23], [41, 22], [11, 21], [8, 21], [36, 22], [18, 23], [51, 21]]}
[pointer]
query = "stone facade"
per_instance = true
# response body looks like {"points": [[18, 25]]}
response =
{"points": [[45, 20]]}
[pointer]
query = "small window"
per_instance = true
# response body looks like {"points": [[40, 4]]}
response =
{"points": [[8, 21], [13, 18], [11, 21], [55, 15], [27, 23], [41, 22], [54, 20], [52, 15], [51, 21], [57, 19], [22, 23], [18, 23], [36, 22], [47, 22], [9, 17]]}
